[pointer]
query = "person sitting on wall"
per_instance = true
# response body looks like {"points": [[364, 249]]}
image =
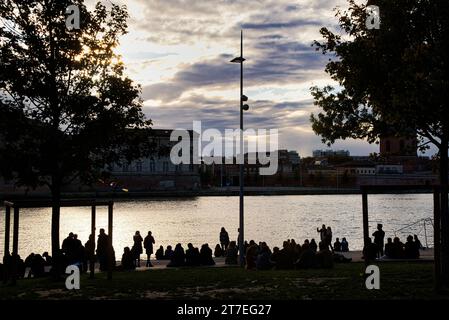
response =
{"points": [[307, 259], [324, 258], [263, 258], [206, 255], [218, 252], [370, 250], [337, 245], [389, 249], [231, 253], [160, 253], [344, 245], [411, 249], [192, 256], [178, 257], [128, 261], [168, 253]]}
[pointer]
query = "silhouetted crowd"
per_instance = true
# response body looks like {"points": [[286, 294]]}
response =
{"points": [[259, 256], [72, 252], [393, 249]]}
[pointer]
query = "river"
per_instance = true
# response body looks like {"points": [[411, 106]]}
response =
{"points": [[198, 220]]}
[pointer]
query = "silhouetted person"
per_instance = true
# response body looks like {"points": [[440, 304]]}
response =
{"points": [[218, 252], [344, 245], [307, 258], [328, 238], [29, 262], [89, 247], [192, 256], [68, 247], [411, 249], [102, 249], [178, 258], [160, 253], [389, 249], [313, 245], [418, 243], [231, 253], [379, 236], [128, 260], [370, 250], [224, 239], [263, 261], [285, 259], [324, 258], [398, 249], [38, 266], [322, 232], [137, 248], [337, 245], [148, 245], [251, 255], [168, 253], [48, 259], [206, 255]]}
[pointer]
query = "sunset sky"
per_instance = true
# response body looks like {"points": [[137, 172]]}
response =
{"points": [[179, 51]]}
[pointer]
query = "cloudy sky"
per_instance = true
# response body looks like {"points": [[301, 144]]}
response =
{"points": [[179, 51]]}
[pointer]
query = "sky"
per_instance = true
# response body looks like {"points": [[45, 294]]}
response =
{"points": [[179, 51]]}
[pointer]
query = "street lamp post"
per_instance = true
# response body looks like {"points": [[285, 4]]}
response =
{"points": [[243, 107]]}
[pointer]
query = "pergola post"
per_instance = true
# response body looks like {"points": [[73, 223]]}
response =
{"points": [[365, 216], [110, 248], [7, 228], [15, 244], [92, 231], [437, 237]]}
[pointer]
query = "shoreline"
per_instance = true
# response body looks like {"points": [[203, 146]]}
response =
{"points": [[213, 192]]}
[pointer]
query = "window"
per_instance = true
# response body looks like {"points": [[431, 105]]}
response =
{"points": [[152, 166], [139, 166], [125, 168], [165, 166]]}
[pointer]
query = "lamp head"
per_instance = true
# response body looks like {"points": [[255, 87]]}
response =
{"points": [[238, 60], [245, 107], [244, 98]]}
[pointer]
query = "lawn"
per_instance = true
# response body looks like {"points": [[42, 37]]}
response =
{"points": [[397, 281]]}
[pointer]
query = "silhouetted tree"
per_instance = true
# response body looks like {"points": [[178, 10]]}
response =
{"points": [[67, 108], [393, 77]]}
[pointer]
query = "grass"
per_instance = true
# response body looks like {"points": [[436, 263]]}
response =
{"points": [[397, 281]]}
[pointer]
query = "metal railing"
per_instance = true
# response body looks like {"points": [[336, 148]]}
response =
{"points": [[424, 223]]}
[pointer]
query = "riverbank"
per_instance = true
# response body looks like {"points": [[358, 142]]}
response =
{"points": [[211, 192], [399, 280]]}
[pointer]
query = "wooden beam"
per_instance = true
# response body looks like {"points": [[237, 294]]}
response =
{"points": [[92, 232], [437, 238], [110, 248], [365, 217], [15, 244], [7, 228], [15, 236]]}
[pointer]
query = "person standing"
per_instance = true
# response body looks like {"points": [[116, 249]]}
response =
{"points": [[322, 232], [102, 249], [148, 245], [137, 248], [379, 236], [224, 239]]}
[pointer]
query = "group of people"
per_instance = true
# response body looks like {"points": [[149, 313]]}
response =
{"points": [[72, 252], [393, 249], [326, 239], [131, 257]]}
